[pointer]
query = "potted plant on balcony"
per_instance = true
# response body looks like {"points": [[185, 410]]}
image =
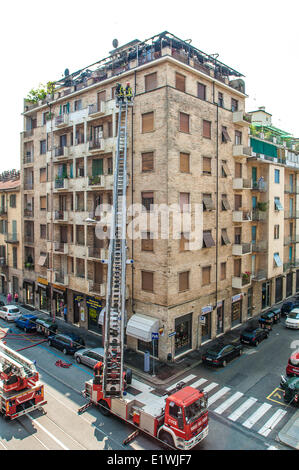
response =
{"points": [[262, 206], [246, 277]]}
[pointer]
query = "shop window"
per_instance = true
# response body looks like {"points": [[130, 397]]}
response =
{"points": [[183, 328]]}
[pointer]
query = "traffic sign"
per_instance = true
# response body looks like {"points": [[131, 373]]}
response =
{"points": [[155, 335], [172, 334]]}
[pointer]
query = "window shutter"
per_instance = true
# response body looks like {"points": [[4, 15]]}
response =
{"points": [[101, 96], [208, 202], [147, 243], [225, 203], [206, 130], [147, 161], [147, 279], [208, 239], [147, 122], [67, 107], [184, 281], [150, 81], [184, 201], [224, 237], [97, 167], [180, 82], [184, 122], [206, 275], [225, 135], [222, 271], [206, 165], [201, 91], [184, 162]]}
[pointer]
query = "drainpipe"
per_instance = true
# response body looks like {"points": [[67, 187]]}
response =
{"points": [[217, 199], [132, 184], [51, 220]]}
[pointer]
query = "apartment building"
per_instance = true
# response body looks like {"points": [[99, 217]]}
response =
{"points": [[188, 144], [10, 233]]}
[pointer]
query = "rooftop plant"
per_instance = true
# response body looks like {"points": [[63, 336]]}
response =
{"points": [[40, 93]]}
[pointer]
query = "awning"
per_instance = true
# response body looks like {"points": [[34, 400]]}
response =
{"points": [[278, 206], [28, 281], [142, 326]]}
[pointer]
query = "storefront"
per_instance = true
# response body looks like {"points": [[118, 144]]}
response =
{"points": [[220, 317], [297, 280], [236, 310], [78, 304], [94, 307], [266, 294], [278, 289], [249, 302], [3, 284], [289, 286], [183, 337], [44, 295], [28, 287], [206, 323], [59, 300], [141, 327]]}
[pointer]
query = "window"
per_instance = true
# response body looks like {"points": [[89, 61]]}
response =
{"points": [[184, 281], [207, 201], [43, 203], [113, 89], [235, 104], [277, 260], [206, 129], [43, 147], [208, 241], [147, 200], [184, 122], [224, 237], [276, 232], [184, 162], [201, 91], [224, 203], [12, 200], [276, 176], [77, 105], [206, 275], [150, 81], [184, 242], [184, 202], [238, 138], [147, 281], [180, 82], [147, 122], [220, 100], [147, 243], [147, 161], [224, 169], [224, 135], [109, 129], [110, 165], [277, 204], [206, 165], [42, 175], [15, 257], [222, 271], [44, 119]]}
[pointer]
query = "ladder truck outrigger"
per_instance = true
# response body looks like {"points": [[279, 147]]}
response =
{"points": [[180, 417], [21, 391]]}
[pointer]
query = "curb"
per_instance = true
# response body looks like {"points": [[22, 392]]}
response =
{"points": [[289, 439]]}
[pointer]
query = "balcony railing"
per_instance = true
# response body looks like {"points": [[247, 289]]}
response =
{"points": [[60, 247], [61, 183], [242, 151], [96, 180], [62, 120], [259, 275], [260, 247], [242, 216], [241, 118], [259, 186], [291, 189], [3, 211], [12, 238], [28, 157], [29, 238], [291, 239], [60, 215], [96, 144], [241, 183], [288, 265], [96, 108], [94, 252], [241, 249], [62, 151], [97, 288], [258, 215], [28, 186], [240, 282], [28, 213], [291, 214], [60, 277], [3, 261], [29, 266]]}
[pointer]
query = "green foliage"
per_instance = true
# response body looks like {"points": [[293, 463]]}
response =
{"points": [[40, 93]]}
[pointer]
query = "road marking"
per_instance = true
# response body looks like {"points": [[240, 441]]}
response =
{"points": [[198, 383], [227, 403], [210, 387], [217, 395], [257, 415], [277, 393], [47, 432], [272, 422], [241, 410], [186, 379]]}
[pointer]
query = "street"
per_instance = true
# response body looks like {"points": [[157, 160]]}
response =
{"points": [[245, 404]]}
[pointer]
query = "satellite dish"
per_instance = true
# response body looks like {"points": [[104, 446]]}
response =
{"points": [[115, 43], [66, 72]]}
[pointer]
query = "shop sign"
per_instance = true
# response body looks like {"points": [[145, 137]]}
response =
{"points": [[237, 297], [78, 298], [202, 319], [207, 309], [94, 303], [40, 280], [172, 334], [58, 287]]}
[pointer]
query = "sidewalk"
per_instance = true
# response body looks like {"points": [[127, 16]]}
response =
{"points": [[289, 435]]}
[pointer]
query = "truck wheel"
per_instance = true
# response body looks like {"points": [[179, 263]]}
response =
{"points": [[104, 409], [167, 438]]}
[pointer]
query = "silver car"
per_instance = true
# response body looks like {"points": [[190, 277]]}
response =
{"points": [[10, 312], [89, 357]]}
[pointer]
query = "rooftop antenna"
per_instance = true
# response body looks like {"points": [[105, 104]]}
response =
{"points": [[115, 43]]}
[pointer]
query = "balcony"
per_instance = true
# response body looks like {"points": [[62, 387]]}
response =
{"points": [[60, 247], [96, 145], [97, 253], [28, 213], [241, 118], [101, 181], [29, 266], [258, 215], [60, 216], [61, 278], [11, 238], [62, 152], [241, 151], [61, 183], [260, 247], [3, 212], [241, 249], [260, 275], [28, 185], [28, 157], [289, 265], [259, 186], [62, 121], [241, 183], [29, 239], [291, 189], [28, 133], [242, 216], [96, 109], [241, 282], [96, 288], [288, 240], [291, 214]]}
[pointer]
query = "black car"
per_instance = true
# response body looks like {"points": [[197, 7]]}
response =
{"points": [[67, 343], [288, 306], [221, 354], [290, 390], [253, 335]]}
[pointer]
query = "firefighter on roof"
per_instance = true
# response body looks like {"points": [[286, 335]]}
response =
{"points": [[129, 92], [119, 92]]}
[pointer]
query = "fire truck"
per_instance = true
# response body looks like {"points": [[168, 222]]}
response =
{"points": [[180, 419], [20, 389]]}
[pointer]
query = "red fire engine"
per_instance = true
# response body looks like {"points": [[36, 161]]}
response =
{"points": [[20, 389]]}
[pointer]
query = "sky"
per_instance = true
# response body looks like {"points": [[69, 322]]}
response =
{"points": [[39, 40]]}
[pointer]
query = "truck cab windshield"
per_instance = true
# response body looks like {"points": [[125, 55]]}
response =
{"points": [[193, 411]]}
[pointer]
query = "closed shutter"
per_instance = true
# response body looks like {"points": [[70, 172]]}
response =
{"points": [[43, 175], [208, 239], [237, 267], [43, 203], [180, 82], [184, 162], [147, 122], [184, 201], [222, 271], [238, 170], [206, 275], [238, 202], [147, 243], [150, 81], [97, 167], [225, 135], [224, 169], [184, 281], [201, 91], [184, 122], [147, 281], [206, 165], [206, 129], [147, 161]]}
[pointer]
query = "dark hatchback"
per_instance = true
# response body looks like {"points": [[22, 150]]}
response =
{"points": [[290, 390], [220, 355], [288, 306], [253, 335], [67, 343]]}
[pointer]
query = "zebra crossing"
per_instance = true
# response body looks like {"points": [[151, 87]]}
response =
{"points": [[249, 412]]}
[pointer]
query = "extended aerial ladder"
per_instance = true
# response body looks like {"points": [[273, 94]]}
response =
{"points": [[117, 260]]}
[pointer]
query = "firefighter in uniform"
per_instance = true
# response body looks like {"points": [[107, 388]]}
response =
{"points": [[129, 92], [119, 92], [98, 372]]}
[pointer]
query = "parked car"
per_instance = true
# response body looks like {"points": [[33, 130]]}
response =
{"points": [[292, 368], [2, 303], [10, 312], [90, 357], [67, 343], [253, 335], [290, 390], [266, 320], [288, 306], [27, 322], [221, 354], [292, 320], [46, 326]]}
